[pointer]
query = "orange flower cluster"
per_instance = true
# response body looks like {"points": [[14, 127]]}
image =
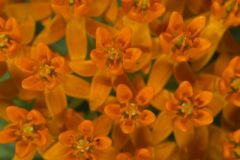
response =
{"points": [[120, 79]]}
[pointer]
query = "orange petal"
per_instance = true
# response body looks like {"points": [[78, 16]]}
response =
{"points": [[98, 57], [102, 142], [27, 29], [128, 126], [123, 38], [75, 86], [162, 127], [145, 95], [124, 94], [36, 117], [25, 65], [24, 148], [113, 111], [196, 25], [175, 24], [97, 8], [144, 153], [33, 83], [160, 73], [16, 114], [103, 37], [99, 91], [130, 57], [165, 150], [147, 117], [184, 72], [202, 117], [203, 98], [56, 151], [103, 125], [56, 100], [83, 68], [67, 138], [165, 41], [184, 90], [86, 128], [183, 124], [123, 156], [43, 136], [8, 135], [77, 45]]}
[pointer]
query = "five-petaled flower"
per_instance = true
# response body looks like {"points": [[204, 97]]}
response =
{"points": [[129, 111], [143, 10], [229, 85], [188, 108], [182, 40], [83, 144], [9, 38], [27, 128], [231, 149], [114, 53]]}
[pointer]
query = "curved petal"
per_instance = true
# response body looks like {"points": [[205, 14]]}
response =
{"points": [[202, 117], [123, 38], [124, 93], [130, 57], [24, 148], [147, 117], [96, 8], [100, 88], [123, 156], [175, 24], [36, 117], [42, 137], [128, 126], [56, 100], [102, 125], [25, 65], [76, 39], [183, 124], [86, 128], [16, 114], [203, 98], [98, 57], [144, 153], [184, 90], [103, 38], [8, 135], [145, 95], [56, 151], [165, 41], [67, 138], [102, 142], [33, 83], [113, 111], [83, 68], [75, 86], [196, 25]]}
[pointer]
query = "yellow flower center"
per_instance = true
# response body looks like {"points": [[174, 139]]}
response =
{"points": [[130, 111], [236, 151], [185, 109], [4, 41], [28, 129], [114, 56], [83, 145], [235, 84], [46, 71]]}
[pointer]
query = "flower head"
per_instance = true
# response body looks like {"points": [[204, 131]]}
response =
{"points": [[83, 144], [188, 108], [229, 85], [27, 129], [114, 53], [130, 111], [143, 10], [182, 40], [231, 149]]}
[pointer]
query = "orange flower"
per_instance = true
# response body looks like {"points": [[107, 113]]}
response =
{"points": [[141, 154], [189, 109], [231, 149], [130, 112], [44, 69], [27, 129], [183, 40], [113, 53], [71, 8], [83, 144], [229, 85], [9, 38], [143, 10], [227, 10]]}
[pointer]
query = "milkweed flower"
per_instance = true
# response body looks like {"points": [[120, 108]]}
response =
{"points": [[188, 108], [182, 40], [143, 10], [229, 85], [114, 54], [129, 112], [231, 149], [27, 128], [83, 144]]}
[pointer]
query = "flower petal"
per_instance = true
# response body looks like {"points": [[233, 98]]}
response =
{"points": [[183, 124], [124, 93], [144, 153], [16, 114], [202, 117], [43, 136], [33, 83], [8, 135], [77, 45], [36, 117], [128, 126], [86, 128], [203, 98], [24, 149], [184, 90], [113, 111], [145, 95], [25, 65], [147, 117], [130, 57], [196, 25], [102, 125], [83, 68], [123, 38], [67, 138], [175, 24], [103, 38], [102, 142]]}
